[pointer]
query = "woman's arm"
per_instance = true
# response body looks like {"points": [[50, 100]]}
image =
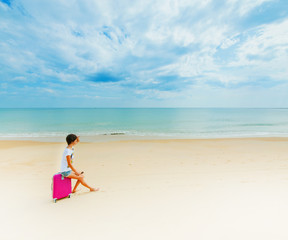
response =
{"points": [[71, 166]]}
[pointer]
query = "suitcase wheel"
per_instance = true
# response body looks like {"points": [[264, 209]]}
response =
{"points": [[54, 200], [69, 196]]}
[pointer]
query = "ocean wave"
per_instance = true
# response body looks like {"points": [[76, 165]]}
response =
{"points": [[257, 125], [194, 135]]}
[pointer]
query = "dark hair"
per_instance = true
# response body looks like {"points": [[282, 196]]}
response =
{"points": [[71, 138]]}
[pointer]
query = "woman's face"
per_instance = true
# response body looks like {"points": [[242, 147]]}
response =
{"points": [[76, 141]]}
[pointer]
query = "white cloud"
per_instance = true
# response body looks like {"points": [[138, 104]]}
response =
{"points": [[4, 85], [194, 65], [265, 50], [183, 37], [4, 6], [19, 78], [47, 90], [143, 41], [243, 7], [156, 94], [268, 37], [229, 42]]}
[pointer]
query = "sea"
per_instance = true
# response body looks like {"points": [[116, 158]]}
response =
{"points": [[181, 123]]}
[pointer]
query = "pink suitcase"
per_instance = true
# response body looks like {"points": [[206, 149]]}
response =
{"points": [[61, 187]]}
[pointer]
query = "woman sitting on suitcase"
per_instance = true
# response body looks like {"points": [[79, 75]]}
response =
{"points": [[67, 169]]}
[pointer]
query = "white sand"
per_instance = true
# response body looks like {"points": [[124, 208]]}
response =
{"points": [[225, 189]]}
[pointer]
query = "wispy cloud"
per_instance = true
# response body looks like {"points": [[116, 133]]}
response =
{"points": [[144, 49]]}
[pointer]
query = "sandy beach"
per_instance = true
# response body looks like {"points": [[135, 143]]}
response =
{"points": [[218, 189]]}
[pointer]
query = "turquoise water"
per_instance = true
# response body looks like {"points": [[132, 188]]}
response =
{"points": [[163, 122]]}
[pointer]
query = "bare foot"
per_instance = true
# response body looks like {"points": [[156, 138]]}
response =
{"points": [[94, 189], [74, 191]]}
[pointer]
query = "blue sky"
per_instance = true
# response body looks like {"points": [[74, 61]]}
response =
{"points": [[144, 53]]}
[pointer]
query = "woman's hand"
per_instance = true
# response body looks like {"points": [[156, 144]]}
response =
{"points": [[78, 174]]}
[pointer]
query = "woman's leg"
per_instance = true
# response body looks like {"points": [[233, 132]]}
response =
{"points": [[75, 187], [80, 179]]}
